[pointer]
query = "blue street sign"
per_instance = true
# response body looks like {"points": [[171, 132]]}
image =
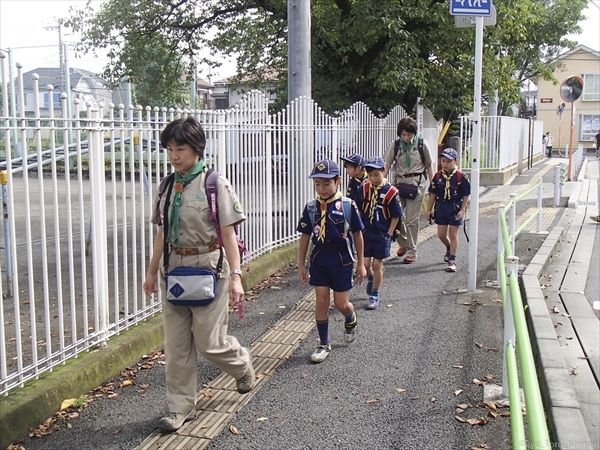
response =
{"points": [[471, 7]]}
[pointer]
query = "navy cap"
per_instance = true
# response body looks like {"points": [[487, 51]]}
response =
{"points": [[376, 162], [325, 169], [355, 159], [450, 153]]}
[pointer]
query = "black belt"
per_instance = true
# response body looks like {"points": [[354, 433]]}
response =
{"points": [[411, 175]]}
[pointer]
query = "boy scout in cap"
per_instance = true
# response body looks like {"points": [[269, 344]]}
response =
{"points": [[355, 166], [331, 260], [380, 209], [449, 192]]}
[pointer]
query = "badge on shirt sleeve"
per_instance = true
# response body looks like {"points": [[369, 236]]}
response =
{"points": [[232, 193], [237, 206]]}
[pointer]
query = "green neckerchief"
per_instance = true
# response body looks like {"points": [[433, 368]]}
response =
{"points": [[180, 182], [406, 148]]}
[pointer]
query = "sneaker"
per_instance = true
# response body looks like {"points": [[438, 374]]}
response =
{"points": [[320, 353], [174, 421], [451, 266], [246, 383], [369, 285], [595, 218], [447, 255], [401, 251], [350, 333], [409, 260], [373, 302]]}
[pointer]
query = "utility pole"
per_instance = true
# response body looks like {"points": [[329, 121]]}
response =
{"points": [[299, 79], [61, 54]]}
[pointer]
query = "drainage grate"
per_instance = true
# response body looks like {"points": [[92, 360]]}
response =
{"points": [[587, 203]]}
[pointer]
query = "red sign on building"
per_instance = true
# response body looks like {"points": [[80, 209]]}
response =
{"points": [[545, 100]]}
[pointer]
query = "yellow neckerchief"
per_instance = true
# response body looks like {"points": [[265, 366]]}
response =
{"points": [[448, 178], [323, 221], [373, 200], [362, 178]]}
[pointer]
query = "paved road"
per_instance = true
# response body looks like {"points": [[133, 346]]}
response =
{"points": [[427, 339]]}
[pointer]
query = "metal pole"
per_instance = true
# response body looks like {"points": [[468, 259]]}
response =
{"points": [[69, 98], [13, 106], [474, 222], [512, 267], [299, 78], [571, 141], [512, 225], [539, 205], [557, 184]]}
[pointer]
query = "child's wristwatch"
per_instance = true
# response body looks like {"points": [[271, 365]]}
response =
{"points": [[236, 272]]}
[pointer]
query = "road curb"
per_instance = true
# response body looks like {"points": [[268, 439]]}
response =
{"points": [[40, 399], [566, 423]]}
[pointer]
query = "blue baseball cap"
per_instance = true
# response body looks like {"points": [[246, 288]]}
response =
{"points": [[325, 169], [450, 153], [355, 159], [376, 162]]}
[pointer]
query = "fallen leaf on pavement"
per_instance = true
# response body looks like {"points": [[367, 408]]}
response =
{"points": [[126, 383], [433, 399], [400, 390], [233, 429], [478, 344], [416, 398], [490, 405], [262, 419], [555, 310], [66, 403], [457, 367], [372, 400], [458, 392], [460, 419], [206, 393]]}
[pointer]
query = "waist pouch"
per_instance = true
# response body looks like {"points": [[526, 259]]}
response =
{"points": [[191, 286], [408, 191]]}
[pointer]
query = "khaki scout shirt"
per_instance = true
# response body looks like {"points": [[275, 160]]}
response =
{"points": [[195, 227], [401, 173]]}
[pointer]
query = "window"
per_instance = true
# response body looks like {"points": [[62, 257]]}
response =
{"points": [[55, 98], [591, 87], [589, 124]]}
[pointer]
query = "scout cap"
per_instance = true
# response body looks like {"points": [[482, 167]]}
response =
{"points": [[355, 159], [376, 162], [325, 169], [450, 153]]}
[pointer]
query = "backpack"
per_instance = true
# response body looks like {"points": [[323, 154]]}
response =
{"points": [[419, 148], [391, 193], [438, 176], [210, 184], [347, 207]]}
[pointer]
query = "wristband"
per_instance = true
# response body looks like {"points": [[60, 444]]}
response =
{"points": [[236, 272]]}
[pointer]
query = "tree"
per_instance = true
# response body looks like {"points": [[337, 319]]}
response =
{"points": [[379, 52]]}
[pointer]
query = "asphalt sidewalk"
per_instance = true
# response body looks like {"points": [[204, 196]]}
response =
{"points": [[413, 378]]}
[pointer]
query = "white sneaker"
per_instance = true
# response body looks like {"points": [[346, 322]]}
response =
{"points": [[174, 421], [350, 330], [451, 266], [246, 383], [320, 354]]}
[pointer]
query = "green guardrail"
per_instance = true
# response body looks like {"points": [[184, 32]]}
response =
{"points": [[517, 342]]}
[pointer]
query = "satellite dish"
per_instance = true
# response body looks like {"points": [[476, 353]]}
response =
{"points": [[571, 88]]}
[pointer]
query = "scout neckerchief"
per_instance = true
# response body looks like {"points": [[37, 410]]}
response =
{"points": [[180, 182], [373, 200], [406, 148], [362, 177], [448, 178], [323, 221]]}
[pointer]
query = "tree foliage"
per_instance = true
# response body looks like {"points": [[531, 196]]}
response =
{"points": [[380, 52]]}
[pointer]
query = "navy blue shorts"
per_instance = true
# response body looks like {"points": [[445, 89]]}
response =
{"points": [[445, 214], [331, 268], [377, 243]]}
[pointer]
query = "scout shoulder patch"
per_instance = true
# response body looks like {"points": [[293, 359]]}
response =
{"points": [[237, 206]]}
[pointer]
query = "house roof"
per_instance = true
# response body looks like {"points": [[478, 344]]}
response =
{"points": [[51, 75], [578, 48], [201, 83]]}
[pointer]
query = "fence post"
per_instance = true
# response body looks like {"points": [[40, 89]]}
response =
{"points": [[500, 242], [98, 224], [512, 266], [557, 184], [539, 206], [513, 221]]}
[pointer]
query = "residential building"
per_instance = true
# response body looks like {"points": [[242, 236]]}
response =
{"points": [[85, 86], [584, 62], [229, 91]]}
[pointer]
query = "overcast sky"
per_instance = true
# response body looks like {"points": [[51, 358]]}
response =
{"points": [[23, 23]]}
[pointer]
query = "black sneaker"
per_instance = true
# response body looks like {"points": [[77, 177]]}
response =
{"points": [[350, 328]]}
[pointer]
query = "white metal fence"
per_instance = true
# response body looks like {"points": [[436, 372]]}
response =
{"points": [[76, 231], [505, 142]]}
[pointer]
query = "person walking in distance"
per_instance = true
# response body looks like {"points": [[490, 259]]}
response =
{"points": [[186, 241], [410, 160], [548, 141]]}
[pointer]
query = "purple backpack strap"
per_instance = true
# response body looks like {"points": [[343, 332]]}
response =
{"points": [[212, 177]]}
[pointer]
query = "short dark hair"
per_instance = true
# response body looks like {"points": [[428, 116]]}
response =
{"points": [[407, 124], [185, 131]]}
